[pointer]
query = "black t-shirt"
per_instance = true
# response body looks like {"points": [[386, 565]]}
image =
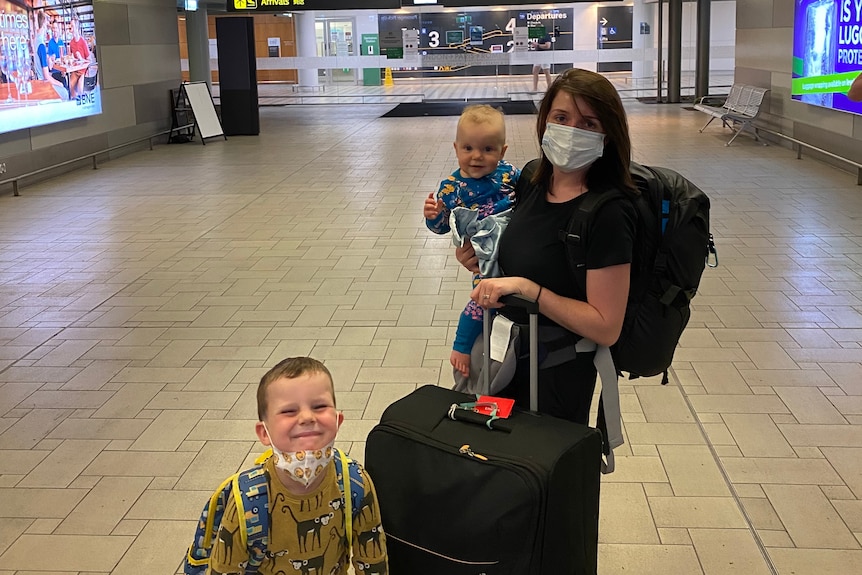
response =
{"points": [[531, 246]]}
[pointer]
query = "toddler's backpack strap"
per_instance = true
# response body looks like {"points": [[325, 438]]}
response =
{"points": [[250, 491], [198, 556], [261, 459], [353, 479]]}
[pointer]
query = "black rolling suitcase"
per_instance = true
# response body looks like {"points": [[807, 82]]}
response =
{"points": [[459, 498]]}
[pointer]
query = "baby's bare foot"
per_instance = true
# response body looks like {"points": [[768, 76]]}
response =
{"points": [[461, 362]]}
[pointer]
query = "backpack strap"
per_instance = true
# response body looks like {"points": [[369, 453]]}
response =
{"points": [[524, 187], [609, 420], [198, 553], [353, 481], [251, 494], [574, 237]]}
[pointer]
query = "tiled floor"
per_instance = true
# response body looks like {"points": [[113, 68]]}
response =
{"points": [[140, 303]]}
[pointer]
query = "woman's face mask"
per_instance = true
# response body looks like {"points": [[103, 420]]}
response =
{"points": [[571, 149]]}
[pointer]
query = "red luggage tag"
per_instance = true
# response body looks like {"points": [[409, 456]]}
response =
{"points": [[486, 406]]}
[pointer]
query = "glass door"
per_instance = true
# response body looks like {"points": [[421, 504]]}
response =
{"points": [[336, 38]]}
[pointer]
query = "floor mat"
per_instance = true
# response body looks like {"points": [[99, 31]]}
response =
{"points": [[455, 107]]}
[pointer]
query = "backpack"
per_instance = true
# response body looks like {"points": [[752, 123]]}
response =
{"points": [[672, 246], [249, 488]]}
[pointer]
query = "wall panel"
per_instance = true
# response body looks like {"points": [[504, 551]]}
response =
{"points": [[764, 48], [116, 16], [146, 26], [754, 14], [139, 64]]}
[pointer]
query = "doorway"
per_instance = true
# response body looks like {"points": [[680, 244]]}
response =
{"points": [[335, 37]]}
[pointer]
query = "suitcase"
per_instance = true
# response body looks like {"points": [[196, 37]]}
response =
{"points": [[461, 497]]}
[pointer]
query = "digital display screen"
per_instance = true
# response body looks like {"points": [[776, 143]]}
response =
{"points": [[48, 67], [827, 52]]}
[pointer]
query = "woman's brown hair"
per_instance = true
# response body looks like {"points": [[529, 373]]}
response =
{"points": [[612, 169]]}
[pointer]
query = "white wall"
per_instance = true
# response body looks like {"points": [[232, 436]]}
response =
{"points": [[644, 48]]}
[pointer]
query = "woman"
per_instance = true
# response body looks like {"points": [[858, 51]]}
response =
{"points": [[583, 133]]}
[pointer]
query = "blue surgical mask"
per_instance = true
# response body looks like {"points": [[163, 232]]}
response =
{"points": [[571, 149]]}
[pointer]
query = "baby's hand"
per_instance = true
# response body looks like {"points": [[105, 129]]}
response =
{"points": [[433, 207]]}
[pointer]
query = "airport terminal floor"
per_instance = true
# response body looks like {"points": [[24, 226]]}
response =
{"points": [[140, 304]]}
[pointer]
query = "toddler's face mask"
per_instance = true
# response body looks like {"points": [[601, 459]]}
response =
{"points": [[303, 466]]}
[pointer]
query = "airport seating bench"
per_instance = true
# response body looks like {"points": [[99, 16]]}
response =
{"points": [[739, 110]]}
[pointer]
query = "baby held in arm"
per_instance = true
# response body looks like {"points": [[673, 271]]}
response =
{"points": [[483, 185]]}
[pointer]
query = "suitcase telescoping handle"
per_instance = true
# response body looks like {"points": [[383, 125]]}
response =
{"points": [[464, 411], [531, 307]]}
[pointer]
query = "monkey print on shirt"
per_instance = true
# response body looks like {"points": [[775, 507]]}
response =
{"points": [[307, 534]]}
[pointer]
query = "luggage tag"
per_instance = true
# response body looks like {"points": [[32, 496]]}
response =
{"points": [[501, 334], [487, 404], [493, 407]]}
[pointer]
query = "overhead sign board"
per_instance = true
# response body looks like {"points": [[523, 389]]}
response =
{"points": [[460, 3], [253, 6], [298, 5]]}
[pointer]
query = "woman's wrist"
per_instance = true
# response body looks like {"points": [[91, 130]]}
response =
{"points": [[539, 293]]}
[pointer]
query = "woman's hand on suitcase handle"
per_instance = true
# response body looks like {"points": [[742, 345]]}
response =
{"points": [[489, 291], [467, 257]]}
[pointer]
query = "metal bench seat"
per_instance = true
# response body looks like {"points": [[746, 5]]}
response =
{"points": [[739, 110]]}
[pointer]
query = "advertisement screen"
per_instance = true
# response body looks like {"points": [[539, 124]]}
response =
{"points": [[827, 52], [48, 67]]}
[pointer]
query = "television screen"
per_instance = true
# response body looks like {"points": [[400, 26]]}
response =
{"points": [[827, 52], [48, 67]]}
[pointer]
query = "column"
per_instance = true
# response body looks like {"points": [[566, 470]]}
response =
{"points": [[701, 81], [197, 36], [674, 51], [306, 45], [642, 67]]}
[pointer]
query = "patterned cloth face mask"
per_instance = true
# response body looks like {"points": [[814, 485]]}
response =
{"points": [[570, 148], [303, 466]]}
